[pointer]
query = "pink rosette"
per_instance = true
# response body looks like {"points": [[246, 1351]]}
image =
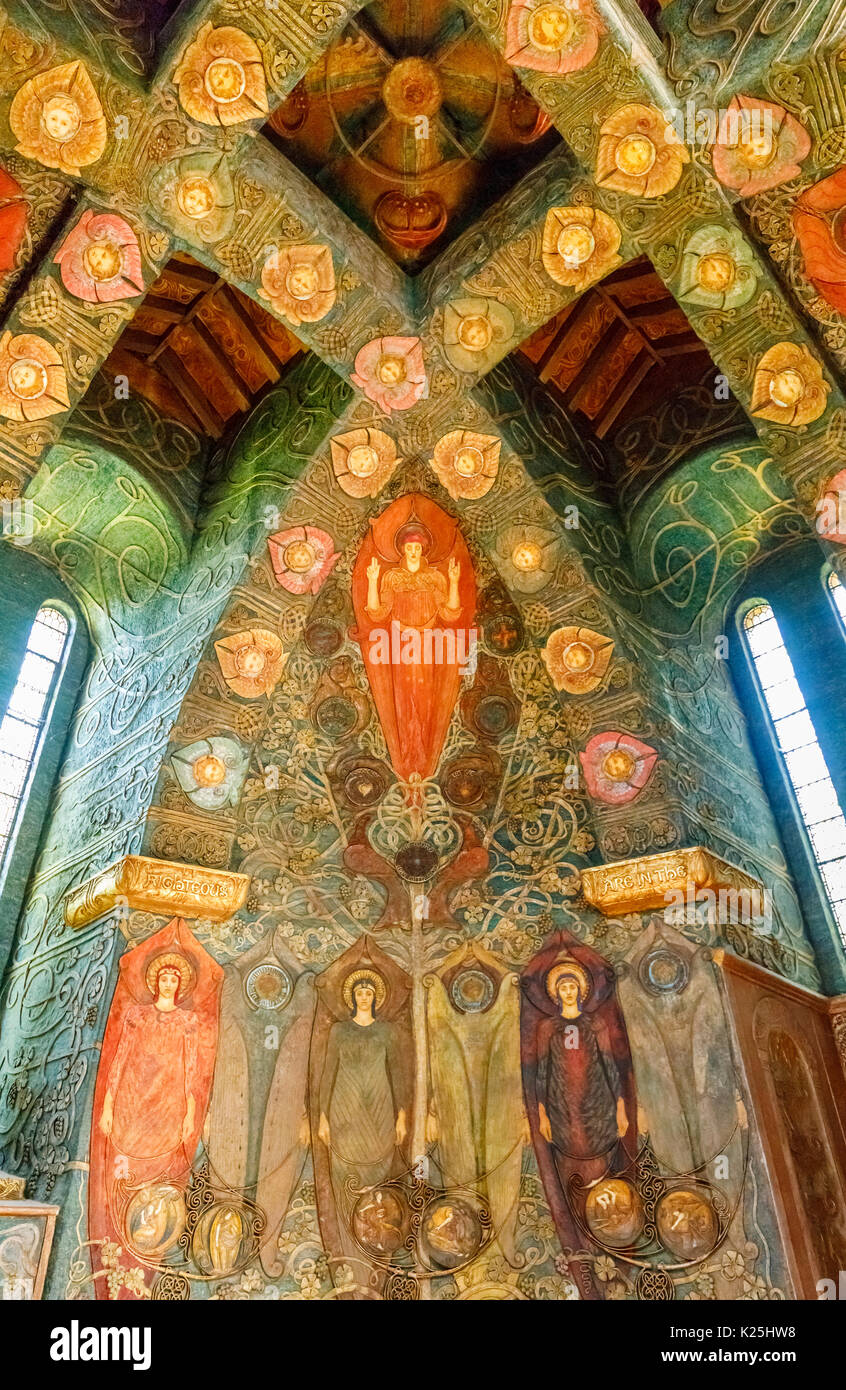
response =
{"points": [[100, 259], [617, 766], [759, 146], [391, 373], [552, 35], [302, 558]]}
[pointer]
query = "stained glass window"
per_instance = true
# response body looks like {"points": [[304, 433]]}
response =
{"points": [[801, 753], [838, 594], [26, 714]]}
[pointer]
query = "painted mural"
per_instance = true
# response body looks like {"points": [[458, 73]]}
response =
{"points": [[342, 379]]}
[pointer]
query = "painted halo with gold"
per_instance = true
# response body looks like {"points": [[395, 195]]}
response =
{"points": [[571, 967], [372, 977], [171, 960]]}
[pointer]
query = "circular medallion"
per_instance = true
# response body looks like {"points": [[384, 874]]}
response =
{"points": [[61, 118], [463, 784], [391, 370], [268, 986], [475, 332], [412, 88], [299, 556], [494, 716], [618, 765], [687, 1224], [103, 260], [526, 556], [635, 155], [614, 1212], [336, 717], [468, 461], [225, 80], [472, 991], [362, 460], [758, 151], [27, 379], [250, 661], [787, 388], [716, 273], [155, 1219], [663, 971], [576, 244], [450, 1233], [323, 638], [208, 770], [381, 1220], [504, 634], [550, 27], [416, 861], [195, 196], [578, 656], [365, 786], [302, 281]]}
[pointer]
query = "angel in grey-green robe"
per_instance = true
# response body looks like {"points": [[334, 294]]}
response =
{"points": [[361, 1096]]}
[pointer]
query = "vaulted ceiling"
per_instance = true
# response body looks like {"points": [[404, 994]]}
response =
{"points": [[271, 178]]}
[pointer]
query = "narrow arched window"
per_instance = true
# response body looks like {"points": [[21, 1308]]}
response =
{"points": [[27, 713], [838, 594], [800, 752]]}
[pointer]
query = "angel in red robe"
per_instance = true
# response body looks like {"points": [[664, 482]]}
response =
{"points": [[415, 625], [819, 220], [154, 1079], [578, 1081]]}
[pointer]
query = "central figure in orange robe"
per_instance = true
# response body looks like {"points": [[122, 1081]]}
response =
{"points": [[415, 596]]}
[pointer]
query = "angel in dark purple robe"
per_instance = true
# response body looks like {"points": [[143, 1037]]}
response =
{"points": [[577, 1080]]}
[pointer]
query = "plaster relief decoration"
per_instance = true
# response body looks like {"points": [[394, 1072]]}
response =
{"points": [[616, 767], [302, 558], [759, 146], [466, 463], [577, 658], [195, 195], [640, 152], [789, 386], [555, 36], [528, 555], [58, 120], [33, 385], [580, 245], [251, 662], [718, 269], [299, 282], [100, 259], [363, 461], [476, 332], [211, 772], [221, 77], [391, 373]]}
